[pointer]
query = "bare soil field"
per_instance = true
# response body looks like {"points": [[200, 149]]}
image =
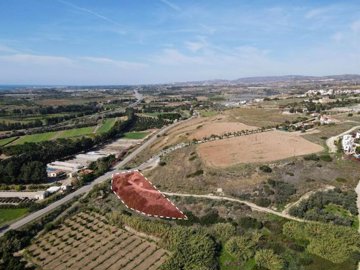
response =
{"points": [[260, 117], [86, 241], [182, 132], [218, 128], [138, 194], [262, 147], [186, 172]]}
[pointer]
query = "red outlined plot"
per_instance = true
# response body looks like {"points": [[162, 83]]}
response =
{"points": [[140, 195]]}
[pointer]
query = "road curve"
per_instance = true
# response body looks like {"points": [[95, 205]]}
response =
{"points": [[331, 141], [253, 206]]}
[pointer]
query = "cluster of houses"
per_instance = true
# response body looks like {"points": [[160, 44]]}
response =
{"points": [[350, 143], [330, 92]]}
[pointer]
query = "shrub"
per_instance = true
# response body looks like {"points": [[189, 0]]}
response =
{"points": [[265, 169], [326, 158], [313, 157], [264, 202], [266, 258]]}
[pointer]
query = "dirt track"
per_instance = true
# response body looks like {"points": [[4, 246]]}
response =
{"points": [[250, 204]]}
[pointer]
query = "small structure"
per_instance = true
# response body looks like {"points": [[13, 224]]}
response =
{"points": [[348, 144], [325, 120], [70, 168], [53, 173], [53, 189]]}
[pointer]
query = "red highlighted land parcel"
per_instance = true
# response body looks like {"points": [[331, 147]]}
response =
{"points": [[138, 194]]}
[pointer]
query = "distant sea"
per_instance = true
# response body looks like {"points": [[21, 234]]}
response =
{"points": [[4, 87]]}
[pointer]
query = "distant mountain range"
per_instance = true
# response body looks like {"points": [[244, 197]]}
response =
{"points": [[277, 79]]}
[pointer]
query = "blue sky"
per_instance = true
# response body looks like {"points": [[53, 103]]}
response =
{"points": [[155, 41]]}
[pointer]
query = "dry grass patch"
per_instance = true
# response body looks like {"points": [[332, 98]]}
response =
{"points": [[261, 147], [259, 117], [218, 128]]}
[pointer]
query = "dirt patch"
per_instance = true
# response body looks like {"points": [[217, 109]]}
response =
{"points": [[219, 128], [138, 194], [262, 147]]}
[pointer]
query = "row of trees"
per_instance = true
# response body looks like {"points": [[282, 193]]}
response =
{"points": [[90, 107]]}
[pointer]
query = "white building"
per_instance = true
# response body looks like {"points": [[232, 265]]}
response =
{"points": [[348, 144]]}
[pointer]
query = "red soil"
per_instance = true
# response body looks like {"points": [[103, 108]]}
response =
{"points": [[138, 194]]}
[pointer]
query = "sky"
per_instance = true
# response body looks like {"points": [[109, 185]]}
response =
{"points": [[83, 42]]}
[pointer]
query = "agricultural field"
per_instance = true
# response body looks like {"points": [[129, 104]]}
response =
{"points": [[218, 128], [135, 135], [9, 214], [7, 141], [256, 148], [87, 241], [62, 134], [259, 117], [106, 125]]}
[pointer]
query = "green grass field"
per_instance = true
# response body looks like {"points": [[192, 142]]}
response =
{"points": [[7, 140], [35, 137], [65, 134], [9, 214], [208, 113], [77, 132], [135, 135], [107, 125], [40, 137]]}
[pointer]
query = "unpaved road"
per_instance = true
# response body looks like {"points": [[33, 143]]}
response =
{"points": [[253, 206], [305, 197], [331, 141]]}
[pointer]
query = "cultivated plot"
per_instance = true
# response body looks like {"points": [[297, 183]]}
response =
{"points": [[261, 147], [86, 241]]}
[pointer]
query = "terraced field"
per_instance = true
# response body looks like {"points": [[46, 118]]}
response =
{"points": [[86, 241]]}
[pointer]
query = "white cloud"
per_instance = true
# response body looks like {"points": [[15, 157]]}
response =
{"points": [[355, 26], [95, 14], [175, 57], [338, 37], [171, 5], [195, 46], [6, 49], [117, 63], [32, 59], [316, 13]]}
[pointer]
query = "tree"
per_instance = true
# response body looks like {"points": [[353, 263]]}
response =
{"points": [[222, 231], [242, 247], [266, 258], [331, 242]]}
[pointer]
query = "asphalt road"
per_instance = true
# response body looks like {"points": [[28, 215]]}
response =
{"points": [[83, 190]]}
